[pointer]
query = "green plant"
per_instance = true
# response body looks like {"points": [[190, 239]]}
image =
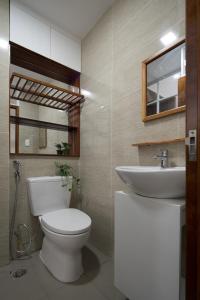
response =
{"points": [[59, 149], [63, 148], [58, 146], [66, 172]]}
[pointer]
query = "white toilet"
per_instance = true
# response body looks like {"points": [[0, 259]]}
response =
{"points": [[66, 229]]}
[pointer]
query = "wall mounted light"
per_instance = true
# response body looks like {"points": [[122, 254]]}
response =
{"points": [[168, 38]]}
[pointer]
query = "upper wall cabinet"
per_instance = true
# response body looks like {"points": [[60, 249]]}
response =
{"points": [[29, 32], [164, 83], [65, 50], [32, 32]]}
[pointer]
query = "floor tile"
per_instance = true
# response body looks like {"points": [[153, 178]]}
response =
{"points": [[104, 282], [26, 287], [46, 279], [102, 258], [75, 292], [38, 284]]}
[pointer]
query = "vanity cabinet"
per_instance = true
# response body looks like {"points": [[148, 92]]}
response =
{"points": [[148, 247]]}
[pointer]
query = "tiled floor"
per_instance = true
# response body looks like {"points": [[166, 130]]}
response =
{"points": [[39, 284]]}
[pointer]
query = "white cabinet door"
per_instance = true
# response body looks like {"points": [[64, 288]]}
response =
{"points": [[28, 31], [147, 247], [65, 50]]}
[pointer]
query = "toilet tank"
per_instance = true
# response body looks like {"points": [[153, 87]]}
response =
{"points": [[48, 193]]}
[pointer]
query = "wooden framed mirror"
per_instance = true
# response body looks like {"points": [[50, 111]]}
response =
{"points": [[163, 82]]}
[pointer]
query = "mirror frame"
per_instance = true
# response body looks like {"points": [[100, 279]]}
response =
{"points": [[147, 61], [16, 108]]}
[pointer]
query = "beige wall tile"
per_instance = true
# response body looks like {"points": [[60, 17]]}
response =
{"points": [[4, 132], [111, 71]]}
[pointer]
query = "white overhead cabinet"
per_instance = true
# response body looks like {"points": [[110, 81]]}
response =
{"points": [[65, 50], [36, 34], [28, 31]]}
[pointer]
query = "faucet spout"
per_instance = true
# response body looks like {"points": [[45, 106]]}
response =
{"points": [[163, 156]]}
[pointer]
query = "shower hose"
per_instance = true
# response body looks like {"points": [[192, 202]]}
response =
{"points": [[22, 253]]}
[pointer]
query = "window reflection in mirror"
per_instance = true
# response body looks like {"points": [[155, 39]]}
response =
{"points": [[164, 82]]}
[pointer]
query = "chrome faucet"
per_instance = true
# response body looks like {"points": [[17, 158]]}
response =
{"points": [[163, 156]]}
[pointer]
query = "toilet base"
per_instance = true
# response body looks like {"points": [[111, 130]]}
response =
{"points": [[63, 258], [62, 273]]}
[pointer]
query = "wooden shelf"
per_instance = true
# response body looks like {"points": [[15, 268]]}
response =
{"points": [[40, 124], [180, 140], [34, 91], [43, 155]]}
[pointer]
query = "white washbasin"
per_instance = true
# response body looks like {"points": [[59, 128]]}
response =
{"points": [[154, 182]]}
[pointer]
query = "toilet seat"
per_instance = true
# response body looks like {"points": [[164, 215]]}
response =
{"points": [[68, 221]]}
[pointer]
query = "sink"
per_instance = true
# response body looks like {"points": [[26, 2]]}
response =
{"points": [[154, 182]]}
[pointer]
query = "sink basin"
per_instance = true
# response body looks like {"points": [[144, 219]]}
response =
{"points": [[154, 182]]}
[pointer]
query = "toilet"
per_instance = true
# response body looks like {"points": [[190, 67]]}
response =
{"points": [[66, 230]]}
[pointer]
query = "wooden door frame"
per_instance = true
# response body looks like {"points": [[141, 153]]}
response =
{"points": [[193, 168]]}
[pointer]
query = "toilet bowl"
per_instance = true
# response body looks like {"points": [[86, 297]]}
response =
{"points": [[64, 238], [66, 230]]}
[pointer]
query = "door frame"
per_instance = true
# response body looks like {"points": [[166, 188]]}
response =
{"points": [[193, 167]]}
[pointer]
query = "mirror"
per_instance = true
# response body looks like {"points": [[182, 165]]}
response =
{"points": [[164, 82], [37, 140]]}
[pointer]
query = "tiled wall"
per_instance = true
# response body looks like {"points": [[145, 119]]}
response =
{"points": [[4, 133], [111, 118]]}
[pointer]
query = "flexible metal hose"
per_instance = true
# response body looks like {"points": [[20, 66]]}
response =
{"points": [[25, 252]]}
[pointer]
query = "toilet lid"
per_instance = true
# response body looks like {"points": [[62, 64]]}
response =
{"points": [[66, 221]]}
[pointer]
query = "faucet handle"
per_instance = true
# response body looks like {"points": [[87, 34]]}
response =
{"points": [[164, 152]]}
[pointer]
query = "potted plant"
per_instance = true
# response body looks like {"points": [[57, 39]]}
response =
{"points": [[59, 149], [66, 172], [65, 148]]}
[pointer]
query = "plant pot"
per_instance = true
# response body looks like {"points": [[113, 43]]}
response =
{"points": [[66, 152], [59, 152]]}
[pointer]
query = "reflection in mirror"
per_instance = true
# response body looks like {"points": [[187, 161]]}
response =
{"points": [[30, 140], [36, 140], [164, 81]]}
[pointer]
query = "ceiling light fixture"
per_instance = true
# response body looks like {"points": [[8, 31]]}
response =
{"points": [[168, 38]]}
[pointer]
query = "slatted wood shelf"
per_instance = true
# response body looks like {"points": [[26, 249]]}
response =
{"points": [[34, 91], [48, 155], [40, 124], [179, 140]]}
